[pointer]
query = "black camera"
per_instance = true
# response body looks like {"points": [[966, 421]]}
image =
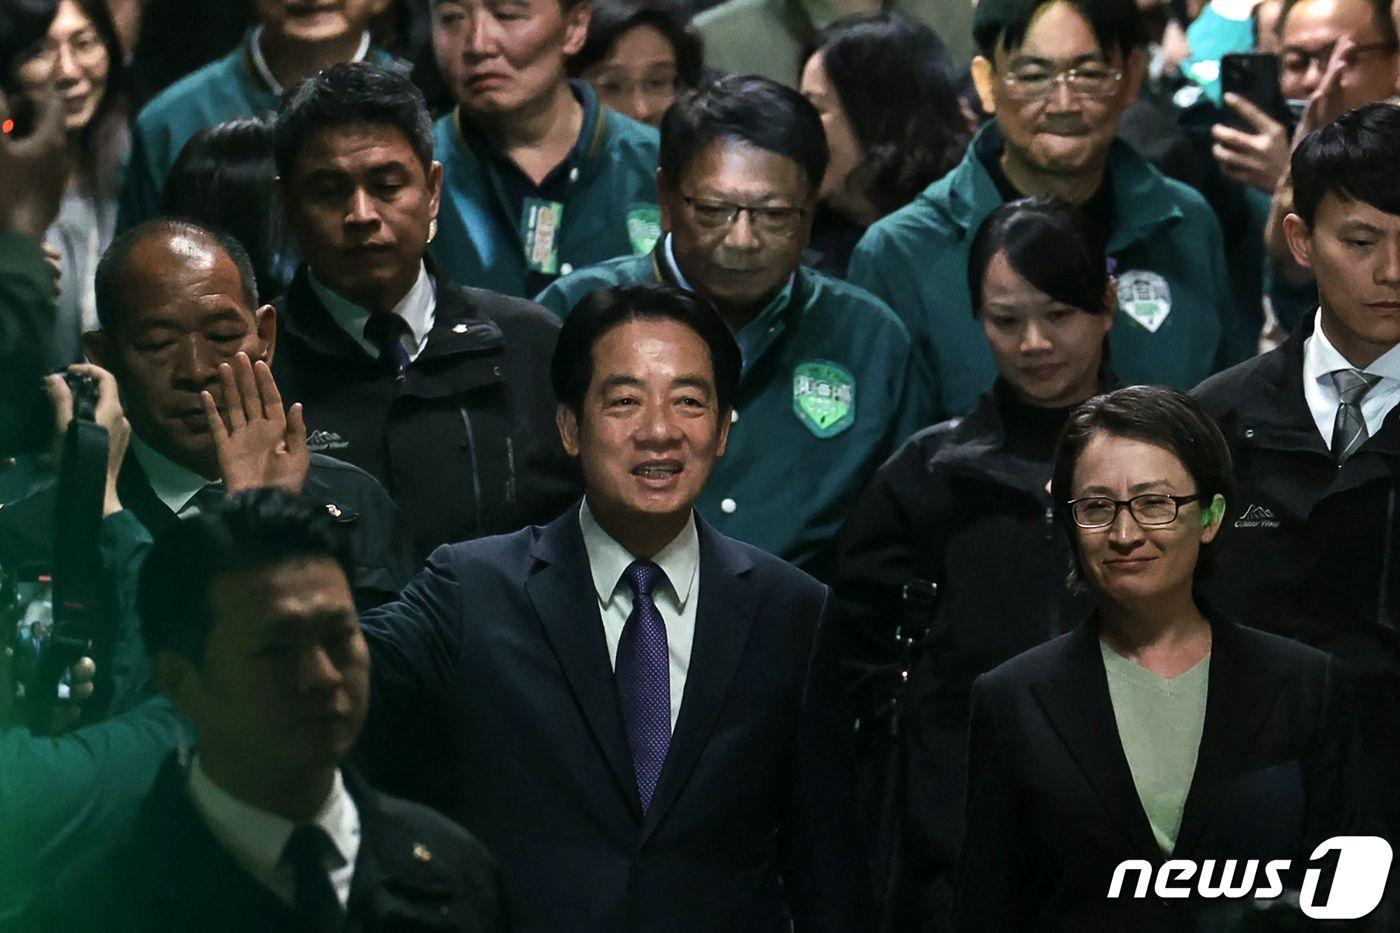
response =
{"points": [[84, 390]]}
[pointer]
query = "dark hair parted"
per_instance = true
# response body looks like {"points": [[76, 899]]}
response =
{"points": [[1155, 415], [225, 178], [115, 299], [571, 369], [1353, 157], [1117, 24], [23, 24], [612, 19], [248, 531], [896, 84], [351, 94], [1051, 245], [745, 109]]}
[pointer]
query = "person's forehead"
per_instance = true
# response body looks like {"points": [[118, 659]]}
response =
{"points": [[69, 20], [1057, 31], [643, 44], [260, 599], [181, 274], [1336, 209], [1311, 21], [1108, 454], [737, 169], [357, 146], [644, 344]]}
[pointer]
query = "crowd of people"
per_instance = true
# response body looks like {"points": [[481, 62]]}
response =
{"points": [[601, 465]]}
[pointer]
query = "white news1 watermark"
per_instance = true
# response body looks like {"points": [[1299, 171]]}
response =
{"points": [[1358, 873]]}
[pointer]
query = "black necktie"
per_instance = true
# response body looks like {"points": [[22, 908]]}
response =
{"points": [[314, 901], [386, 331]]}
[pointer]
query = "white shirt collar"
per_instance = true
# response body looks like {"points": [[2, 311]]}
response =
{"points": [[418, 308], [1320, 358], [608, 560], [675, 269], [256, 838], [172, 483], [265, 73]]}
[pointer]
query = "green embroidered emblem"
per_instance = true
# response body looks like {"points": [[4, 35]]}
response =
{"points": [[824, 397], [643, 227]]}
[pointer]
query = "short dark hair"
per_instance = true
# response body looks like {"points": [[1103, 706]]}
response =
{"points": [[1154, 415], [571, 369], [351, 94], [225, 178], [1380, 14], [1052, 245], [1352, 157], [248, 531], [1117, 24], [114, 299], [612, 19], [896, 83], [747, 109]]}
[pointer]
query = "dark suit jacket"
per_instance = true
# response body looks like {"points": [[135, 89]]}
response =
{"points": [[494, 699], [1052, 807], [173, 875]]}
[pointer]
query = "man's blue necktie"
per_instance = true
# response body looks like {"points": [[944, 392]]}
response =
{"points": [[643, 673], [386, 331]]}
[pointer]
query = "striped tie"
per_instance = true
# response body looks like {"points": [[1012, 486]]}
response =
{"points": [[1349, 430]]}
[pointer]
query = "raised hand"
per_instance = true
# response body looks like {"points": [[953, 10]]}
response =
{"points": [[258, 444], [1257, 157]]}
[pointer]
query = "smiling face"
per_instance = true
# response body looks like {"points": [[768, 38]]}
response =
{"points": [[284, 680], [190, 315], [638, 76], [650, 427], [739, 266], [317, 21], [361, 204], [1354, 252], [1126, 563], [1048, 352], [1062, 133], [501, 56], [75, 59]]}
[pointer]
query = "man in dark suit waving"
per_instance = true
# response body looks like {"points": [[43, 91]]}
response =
{"points": [[632, 711]]}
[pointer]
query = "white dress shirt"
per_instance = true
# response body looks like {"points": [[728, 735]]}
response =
{"points": [[676, 600], [173, 484], [1321, 359], [418, 308], [256, 839]]}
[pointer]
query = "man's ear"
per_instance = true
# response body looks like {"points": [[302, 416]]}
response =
{"points": [[567, 423], [1212, 518], [983, 78], [265, 319], [1299, 237], [435, 186], [176, 676], [576, 26], [96, 349], [726, 418]]}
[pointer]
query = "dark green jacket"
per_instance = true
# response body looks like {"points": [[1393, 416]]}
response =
{"points": [[27, 314], [1165, 242], [610, 209], [221, 90], [798, 457]]}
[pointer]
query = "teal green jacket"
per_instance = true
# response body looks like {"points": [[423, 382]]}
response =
{"points": [[1173, 289], [219, 91], [60, 796], [825, 397], [611, 208]]}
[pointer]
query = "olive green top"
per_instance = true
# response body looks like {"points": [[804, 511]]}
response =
{"points": [[1160, 721]]}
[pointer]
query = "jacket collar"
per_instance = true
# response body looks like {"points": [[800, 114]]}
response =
{"points": [[1074, 695], [561, 589], [1143, 203], [591, 138]]}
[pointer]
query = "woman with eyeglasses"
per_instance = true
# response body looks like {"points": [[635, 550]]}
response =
{"points": [[638, 55], [1156, 730]]}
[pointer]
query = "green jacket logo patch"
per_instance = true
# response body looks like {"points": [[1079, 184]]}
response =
{"points": [[824, 397], [643, 227]]}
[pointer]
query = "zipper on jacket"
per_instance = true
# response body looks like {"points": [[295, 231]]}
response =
{"points": [[1050, 522], [476, 468]]}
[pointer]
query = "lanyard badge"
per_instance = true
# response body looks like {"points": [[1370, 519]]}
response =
{"points": [[539, 228]]}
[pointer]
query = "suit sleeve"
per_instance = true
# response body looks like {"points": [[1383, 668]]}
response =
{"points": [[988, 879], [1337, 804], [414, 643], [824, 868]]}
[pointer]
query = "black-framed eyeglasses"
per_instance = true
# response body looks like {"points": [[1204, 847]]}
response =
{"points": [[1148, 509], [1035, 82], [781, 220]]}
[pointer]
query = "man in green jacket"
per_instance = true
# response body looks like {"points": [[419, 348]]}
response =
{"points": [[1058, 77], [825, 393], [538, 178], [292, 41]]}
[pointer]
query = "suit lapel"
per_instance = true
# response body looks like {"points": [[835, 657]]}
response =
{"points": [[1077, 703], [1238, 698], [723, 618], [138, 496], [561, 590]]}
